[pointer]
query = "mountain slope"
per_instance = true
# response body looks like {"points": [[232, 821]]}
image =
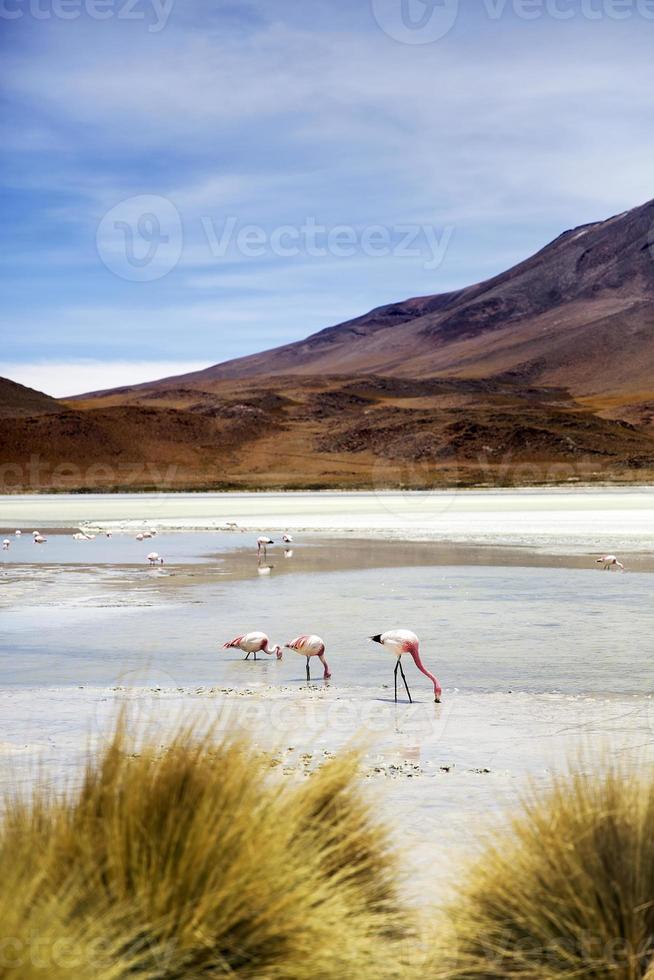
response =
{"points": [[17, 401], [542, 374], [578, 314]]}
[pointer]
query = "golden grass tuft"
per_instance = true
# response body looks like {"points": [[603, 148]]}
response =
{"points": [[567, 891], [196, 861]]}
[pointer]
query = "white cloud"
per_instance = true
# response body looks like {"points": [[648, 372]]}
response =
{"points": [[65, 378]]}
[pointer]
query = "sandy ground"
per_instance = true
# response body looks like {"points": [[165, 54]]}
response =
{"points": [[559, 521], [439, 774]]}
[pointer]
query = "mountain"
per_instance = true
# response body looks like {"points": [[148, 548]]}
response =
{"points": [[579, 314], [542, 374], [17, 401]]}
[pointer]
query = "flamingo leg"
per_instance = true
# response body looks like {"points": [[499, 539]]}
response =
{"points": [[397, 664], [246, 656], [404, 679], [308, 672], [255, 654]]}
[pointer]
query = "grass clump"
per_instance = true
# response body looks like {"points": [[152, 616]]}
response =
{"points": [[195, 861], [566, 892]]}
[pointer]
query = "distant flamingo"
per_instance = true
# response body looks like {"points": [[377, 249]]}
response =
{"points": [[155, 559], [262, 544], [18, 533], [5, 544], [39, 539], [139, 537], [287, 539], [399, 642], [255, 643], [610, 561], [36, 534], [231, 524], [288, 552], [310, 646]]}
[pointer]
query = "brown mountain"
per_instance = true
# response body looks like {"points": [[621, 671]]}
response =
{"points": [[578, 314], [545, 372], [17, 401]]}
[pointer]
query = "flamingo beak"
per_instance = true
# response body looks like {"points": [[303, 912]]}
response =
{"points": [[375, 639]]}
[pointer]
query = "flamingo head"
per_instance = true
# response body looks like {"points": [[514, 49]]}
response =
{"points": [[375, 639], [277, 650]]}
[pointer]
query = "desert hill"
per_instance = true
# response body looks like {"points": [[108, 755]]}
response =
{"points": [[543, 373], [17, 401]]}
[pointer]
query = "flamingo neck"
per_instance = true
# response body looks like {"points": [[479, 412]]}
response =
{"points": [[421, 667]]}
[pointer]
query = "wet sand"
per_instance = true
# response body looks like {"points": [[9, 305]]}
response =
{"points": [[540, 653], [559, 521]]}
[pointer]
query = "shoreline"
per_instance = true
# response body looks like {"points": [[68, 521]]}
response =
{"points": [[559, 521]]}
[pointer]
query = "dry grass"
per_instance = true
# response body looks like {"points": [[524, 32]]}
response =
{"points": [[568, 891], [196, 862]]}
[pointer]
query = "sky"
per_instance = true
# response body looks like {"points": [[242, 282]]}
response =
{"points": [[187, 181]]}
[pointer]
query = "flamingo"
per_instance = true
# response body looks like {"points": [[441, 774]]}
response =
{"points": [[139, 537], [232, 525], [39, 539], [399, 642], [287, 539], [255, 642], [36, 534], [610, 561], [288, 552], [262, 544], [309, 646], [5, 544], [155, 559], [18, 533]]}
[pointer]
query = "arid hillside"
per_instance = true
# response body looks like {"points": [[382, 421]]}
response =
{"points": [[542, 374]]}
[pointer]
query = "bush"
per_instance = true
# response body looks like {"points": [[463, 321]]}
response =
{"points": [[567, 891], [197, 861]]}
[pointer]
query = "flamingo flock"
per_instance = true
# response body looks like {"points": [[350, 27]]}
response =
{"points": [[396, 642]]}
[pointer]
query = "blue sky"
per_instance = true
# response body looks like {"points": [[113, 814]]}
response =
{"points": [[186, 181]]}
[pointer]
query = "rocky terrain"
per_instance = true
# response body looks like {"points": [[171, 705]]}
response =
{"points": [[542, 374]]}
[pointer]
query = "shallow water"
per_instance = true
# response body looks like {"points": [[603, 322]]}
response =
{"points": [[558, 520], [484, 628], [541, 654]]}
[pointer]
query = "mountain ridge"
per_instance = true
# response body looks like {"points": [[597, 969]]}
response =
{"points": [[541, 374]]}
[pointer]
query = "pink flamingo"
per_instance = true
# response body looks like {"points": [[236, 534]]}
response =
{"points": [[254, 642], [262, 544], [610, 561], [399, 642], [287, 539], [309, 646], [155, 559]]}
